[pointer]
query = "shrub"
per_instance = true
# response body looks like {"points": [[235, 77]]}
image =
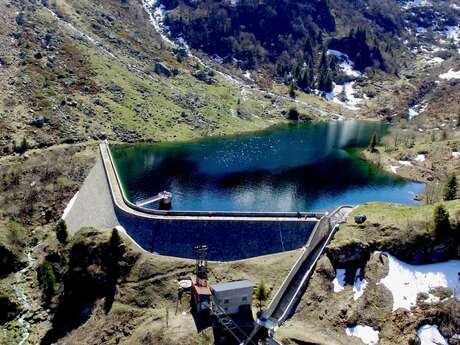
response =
{"points": [[61, 231], [22, 147], [293, 114], [450, 190], [441, 220], [47, 280]]}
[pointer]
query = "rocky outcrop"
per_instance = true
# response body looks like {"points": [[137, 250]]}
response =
{"points": [[9, 307], [352, 253], [96, 263], [415, 245]]}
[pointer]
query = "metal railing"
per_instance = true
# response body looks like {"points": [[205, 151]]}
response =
{"points": [[229, 214]]}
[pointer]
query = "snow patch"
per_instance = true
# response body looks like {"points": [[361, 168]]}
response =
{"points": [[420, 158], [367, 334], [435, 60], [346, 64], [359, 286], [416, 110], [344, 95], [247, 75], [157, 15], [405, 163], [405, 281], [451, 74], [417, 3], [452, 33], [429, 335], [339, 280], [456, 154], [69, 206]]}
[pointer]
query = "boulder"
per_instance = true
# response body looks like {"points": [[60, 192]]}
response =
{"points": [[161, 69], [38, 122], [360, 219]]}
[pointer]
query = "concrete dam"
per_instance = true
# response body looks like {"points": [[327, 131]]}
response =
{"points": [[229, 235]]}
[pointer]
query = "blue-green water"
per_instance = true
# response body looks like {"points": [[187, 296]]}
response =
{"points": [[298, 167]]}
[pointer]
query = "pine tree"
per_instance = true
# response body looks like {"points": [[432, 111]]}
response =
{"points": [[450, 190], [304, 79], [328, 86], [441, 220], [323, 62], [261, 294]]}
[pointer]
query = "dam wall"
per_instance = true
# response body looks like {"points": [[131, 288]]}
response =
{"points": [[229, 235]]}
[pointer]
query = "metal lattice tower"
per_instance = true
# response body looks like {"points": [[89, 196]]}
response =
{"points": [[201, 267]]}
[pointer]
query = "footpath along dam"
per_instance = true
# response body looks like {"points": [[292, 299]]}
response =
{"points": [[101, 202]]}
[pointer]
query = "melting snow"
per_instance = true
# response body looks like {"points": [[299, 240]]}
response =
{"points": [[359, 286], [429, 335], [406, 281], [247, 75], [416, 110], [367, 334], [450, 75], [435, 60], [456, 154], [406, 163], [339, 280], [69, 205], [452, 33], [420, 158], [347, 66], [344, 95]]}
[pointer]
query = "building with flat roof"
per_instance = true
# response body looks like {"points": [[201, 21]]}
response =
{"points": [[233, 297], [201, 294]]}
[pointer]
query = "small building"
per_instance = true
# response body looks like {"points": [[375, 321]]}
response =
{"points": [[233, 297], [201, 294]]}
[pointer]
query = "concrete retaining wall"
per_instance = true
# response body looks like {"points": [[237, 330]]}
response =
{"points": [[226, 239]]}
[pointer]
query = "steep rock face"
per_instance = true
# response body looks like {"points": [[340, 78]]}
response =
{"points": [[349, 253], [402, 231]]}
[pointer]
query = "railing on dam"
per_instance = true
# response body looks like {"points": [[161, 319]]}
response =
{"points": [[111, 169]]}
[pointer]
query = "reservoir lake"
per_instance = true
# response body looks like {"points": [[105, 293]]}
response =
{"points": [[294, 167]]}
